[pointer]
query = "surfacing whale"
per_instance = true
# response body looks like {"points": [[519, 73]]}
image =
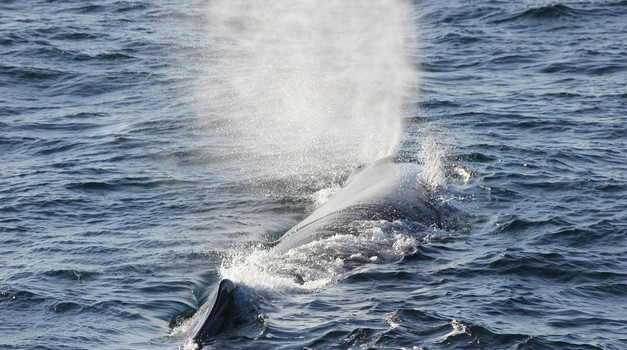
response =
{"points": [[383, 191]]}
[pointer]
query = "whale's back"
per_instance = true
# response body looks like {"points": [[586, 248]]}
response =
{"points": [[383, 191]]}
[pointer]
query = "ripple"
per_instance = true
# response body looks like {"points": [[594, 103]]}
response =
{"points": [[20, 299], [542, 13], [75, 275], [24, 73]]}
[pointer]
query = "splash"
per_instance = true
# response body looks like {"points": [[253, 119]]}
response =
{"points": [[431, 156], [306, 87], [322, 196], [315, 265], [458, 328]]}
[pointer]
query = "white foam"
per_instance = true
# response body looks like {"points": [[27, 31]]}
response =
{"points": [[458, 328], [323, 195], [463, 175], [315, 265]]}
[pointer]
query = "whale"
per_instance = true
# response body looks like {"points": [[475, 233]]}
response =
{"points": [[386, 190]]}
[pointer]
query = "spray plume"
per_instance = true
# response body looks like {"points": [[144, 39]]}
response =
{"points": [[306, 87]]}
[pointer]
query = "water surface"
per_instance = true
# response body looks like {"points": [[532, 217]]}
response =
{"points": [[150, 149]]}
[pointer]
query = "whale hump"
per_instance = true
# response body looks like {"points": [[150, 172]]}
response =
{"points": [[220, 316]]}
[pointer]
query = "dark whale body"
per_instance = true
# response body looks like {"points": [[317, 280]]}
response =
{"points": [[383, 191], [219, 316]]}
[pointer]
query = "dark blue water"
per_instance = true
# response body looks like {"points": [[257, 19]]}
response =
{"points": [[145, 153]]}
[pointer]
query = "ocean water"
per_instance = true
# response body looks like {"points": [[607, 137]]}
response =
{"points": [[149, 149]]}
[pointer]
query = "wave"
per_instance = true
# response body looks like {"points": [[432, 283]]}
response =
{"points": [[559, 12], [542, 13]]}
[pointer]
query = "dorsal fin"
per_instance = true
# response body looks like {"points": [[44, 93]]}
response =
{"points": [[220, 316]]}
